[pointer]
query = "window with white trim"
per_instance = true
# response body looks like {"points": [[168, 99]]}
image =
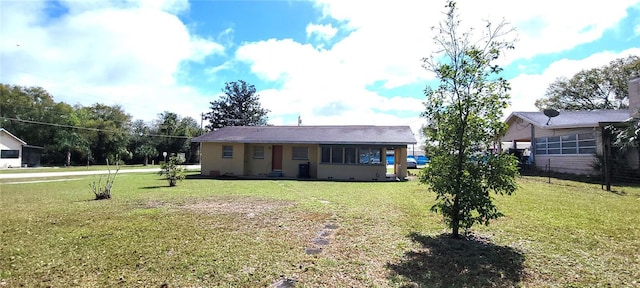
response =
{"points": [[300, 153], [570, 144], [258, 152], [227, 151]]}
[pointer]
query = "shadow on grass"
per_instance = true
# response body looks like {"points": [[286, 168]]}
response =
{"points": [[442, 261], [153, 187]]}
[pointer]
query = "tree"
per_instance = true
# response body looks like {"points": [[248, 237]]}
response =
{"points": [[463, 119], [239, 106], [69, 141], [145, 151], [598, 88], [109, 136], [172, 171]]}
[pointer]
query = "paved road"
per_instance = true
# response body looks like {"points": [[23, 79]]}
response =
{"points": [[81, 173]]}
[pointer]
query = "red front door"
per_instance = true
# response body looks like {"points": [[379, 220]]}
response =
{"points": [[276, 160]]}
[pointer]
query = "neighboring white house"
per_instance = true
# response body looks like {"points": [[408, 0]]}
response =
{"points": [[10, 149], [569, 141]]}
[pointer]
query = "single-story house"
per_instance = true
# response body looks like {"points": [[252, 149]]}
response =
{"points": [[567, 142], [10, 149], [14, 152], [355, 153]]}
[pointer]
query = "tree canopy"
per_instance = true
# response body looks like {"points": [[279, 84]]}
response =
{"points": [[81, 134], [604, 87], [463, 120], [239, 106]]}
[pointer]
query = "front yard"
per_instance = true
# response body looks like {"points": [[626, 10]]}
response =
{"points": [[310, 234]]}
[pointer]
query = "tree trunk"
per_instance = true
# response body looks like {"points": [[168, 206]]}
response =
{"points": [[68, 158], [455, 218], [146, 160]]}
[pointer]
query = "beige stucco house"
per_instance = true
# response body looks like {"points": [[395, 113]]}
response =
{"points": [[10, 149], [567, 143], [355, 153]]}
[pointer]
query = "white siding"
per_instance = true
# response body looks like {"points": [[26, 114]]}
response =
{"points": [[7, 142]]}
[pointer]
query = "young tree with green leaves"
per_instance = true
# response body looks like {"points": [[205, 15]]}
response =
{"points": [[239, 106], [172, 171], [463, 120]]}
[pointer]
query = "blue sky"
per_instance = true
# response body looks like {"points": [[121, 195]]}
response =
{"points": [[329, 61]]}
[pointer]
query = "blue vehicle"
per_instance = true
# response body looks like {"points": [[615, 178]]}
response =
{"points": [[421, 159]]}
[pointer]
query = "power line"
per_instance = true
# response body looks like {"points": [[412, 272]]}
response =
{"points": [[88, 128]]}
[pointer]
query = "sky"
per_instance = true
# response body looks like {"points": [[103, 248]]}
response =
{"points": [[331, 62]]}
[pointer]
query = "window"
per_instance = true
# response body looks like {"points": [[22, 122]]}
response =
{"points": [[13, 154], [350, 155], [571, 144], [300, 153], [326, 154], [336, 155], [258, 152], [370, 155], [227, 151]]}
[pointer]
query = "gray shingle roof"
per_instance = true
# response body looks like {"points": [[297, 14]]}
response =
{"points": [[570, 119], [367, 135]]}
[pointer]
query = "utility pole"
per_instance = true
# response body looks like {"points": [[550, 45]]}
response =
{"points": [[202, 116]]}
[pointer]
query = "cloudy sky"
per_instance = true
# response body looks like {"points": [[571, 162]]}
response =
{"points": [[330, 61]]}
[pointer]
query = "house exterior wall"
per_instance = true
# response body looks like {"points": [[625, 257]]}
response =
{"points": [[243, 163], [257, 166], [400, 167], [213, 164], [7, 142], [573, 164], [519, 130], [352, 172], [290, 166]]}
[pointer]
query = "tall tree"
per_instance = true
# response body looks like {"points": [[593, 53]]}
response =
{"points": [[463, 119], [142, 143], [110, 134], [239, 106], [597, 88]]}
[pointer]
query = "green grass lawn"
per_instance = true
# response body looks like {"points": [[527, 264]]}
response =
{"points": [[235, 233]]}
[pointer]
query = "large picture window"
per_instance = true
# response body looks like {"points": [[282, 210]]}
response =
{"points": [[571, 144], [350, 155], [370, 155]]}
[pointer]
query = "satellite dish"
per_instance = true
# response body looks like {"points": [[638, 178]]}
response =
{"points": [[550, 113]]}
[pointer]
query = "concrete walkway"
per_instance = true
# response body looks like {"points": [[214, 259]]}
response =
{"points": [[82, 173]]}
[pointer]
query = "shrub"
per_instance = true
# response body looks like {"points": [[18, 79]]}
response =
{"points": [[104, 192], [172, 171]]}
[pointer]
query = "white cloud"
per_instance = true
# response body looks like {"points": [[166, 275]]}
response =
{"points": [[106, 52], [321, 32], [529, 87], [385, 44]]}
